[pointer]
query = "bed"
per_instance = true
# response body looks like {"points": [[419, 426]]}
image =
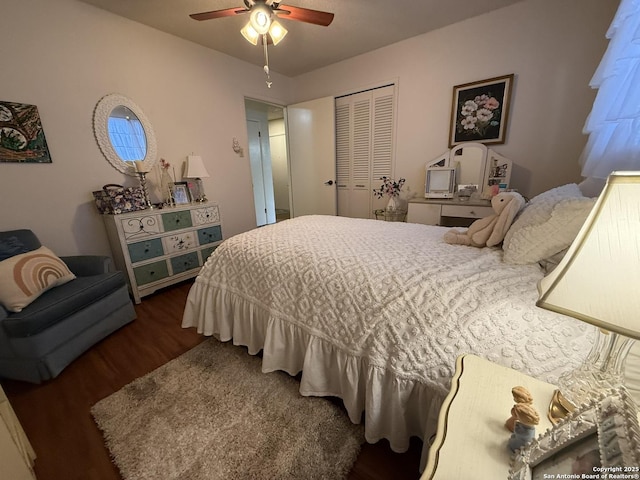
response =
{"points": [[376, 313]]}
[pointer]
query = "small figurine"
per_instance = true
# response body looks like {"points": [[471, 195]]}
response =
{"points": [[524, 431], [520, 395]]}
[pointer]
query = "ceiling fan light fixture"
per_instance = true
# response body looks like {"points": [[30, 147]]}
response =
{"points": [[263, 22], [250, 34], [260, 18], [277, 32]]}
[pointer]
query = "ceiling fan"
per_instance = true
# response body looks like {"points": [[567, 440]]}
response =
{"points": [[271, 9], [263, 23]]}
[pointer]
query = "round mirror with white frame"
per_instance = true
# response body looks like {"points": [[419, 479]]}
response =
{"points": [[124, 134]]}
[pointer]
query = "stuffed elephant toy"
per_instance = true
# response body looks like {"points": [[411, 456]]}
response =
{"points": [[490, 231]]}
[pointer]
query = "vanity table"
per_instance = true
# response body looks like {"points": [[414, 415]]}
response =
{"points": [[447, 212], [476, 167]]}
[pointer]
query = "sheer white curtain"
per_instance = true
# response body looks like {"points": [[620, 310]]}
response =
{"points": [[614, 122]]}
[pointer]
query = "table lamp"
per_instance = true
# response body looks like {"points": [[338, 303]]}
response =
{"points": [[598, 282], [195, 169]]}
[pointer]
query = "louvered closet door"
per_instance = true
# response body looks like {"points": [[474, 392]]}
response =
{"points": [[364, 149]]}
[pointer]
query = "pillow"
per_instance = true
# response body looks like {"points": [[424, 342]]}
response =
{"points": [[546, 226], [11, 246], [570, 190], [26, 276]]}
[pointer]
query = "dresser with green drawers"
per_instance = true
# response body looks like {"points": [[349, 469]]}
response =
{"points": [[157, 248]]}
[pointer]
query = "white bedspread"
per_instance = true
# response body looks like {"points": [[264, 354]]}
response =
{"points": [[377, 312]]}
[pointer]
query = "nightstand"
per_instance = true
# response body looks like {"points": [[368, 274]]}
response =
{"points": [[471, 441], [16, 454]]}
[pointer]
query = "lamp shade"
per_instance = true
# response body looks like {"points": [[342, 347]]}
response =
{"points": [[250, 34], [195, 168], [598, 280], [277, 32]]}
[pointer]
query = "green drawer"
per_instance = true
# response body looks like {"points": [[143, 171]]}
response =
{"points": [[151, 272], [209, 234], [184, 263], [206, 253], [145, 250], [176, 220]]}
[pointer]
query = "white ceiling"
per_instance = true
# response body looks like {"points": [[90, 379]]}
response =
{"points": [[359, 26]]}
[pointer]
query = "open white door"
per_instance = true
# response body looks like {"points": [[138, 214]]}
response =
{"points": [[261, 172], [312, 157]]}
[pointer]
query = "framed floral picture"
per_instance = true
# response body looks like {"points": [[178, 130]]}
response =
{"points": [[599, 438], [480, 111]]}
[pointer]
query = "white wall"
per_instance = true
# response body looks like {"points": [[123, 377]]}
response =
{"points": [[552, 46], [63, 56]]}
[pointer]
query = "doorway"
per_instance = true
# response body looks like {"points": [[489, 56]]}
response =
{"points": [[269, 161]]}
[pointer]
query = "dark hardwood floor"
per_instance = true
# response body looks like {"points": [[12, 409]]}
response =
{"points": [[56, 418]]}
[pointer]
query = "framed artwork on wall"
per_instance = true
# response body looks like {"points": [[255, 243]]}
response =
{"points": [[21, 135], [480, 111]]}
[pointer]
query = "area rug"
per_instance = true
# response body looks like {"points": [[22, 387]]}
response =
{"points": [[212, 414]]}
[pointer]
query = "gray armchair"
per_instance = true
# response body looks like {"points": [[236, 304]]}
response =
{"points": [[37, 343]]}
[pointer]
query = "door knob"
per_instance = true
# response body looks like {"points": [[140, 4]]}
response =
{"points": [[329, 182]]}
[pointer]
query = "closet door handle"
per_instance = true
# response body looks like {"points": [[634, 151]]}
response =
{"points": [[329, 182]]}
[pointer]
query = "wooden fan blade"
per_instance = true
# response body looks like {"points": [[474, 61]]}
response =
{"points": [[218, 13], [305, 15]]}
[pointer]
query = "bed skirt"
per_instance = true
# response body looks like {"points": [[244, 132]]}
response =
{"points": [[391, 407]]}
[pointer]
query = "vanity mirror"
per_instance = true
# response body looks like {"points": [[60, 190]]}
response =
{"points": [[474, 164], [470, 160], [124, 134]]}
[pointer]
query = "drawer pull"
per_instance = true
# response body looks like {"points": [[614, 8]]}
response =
{"points": [[152, 272], [472, 212]]}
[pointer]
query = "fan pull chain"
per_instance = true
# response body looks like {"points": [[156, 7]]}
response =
{"points": [[266, 60]]}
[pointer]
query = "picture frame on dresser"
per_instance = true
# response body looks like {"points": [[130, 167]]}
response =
{"points": [[181, 195], [480, 111], [601, 436]]}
